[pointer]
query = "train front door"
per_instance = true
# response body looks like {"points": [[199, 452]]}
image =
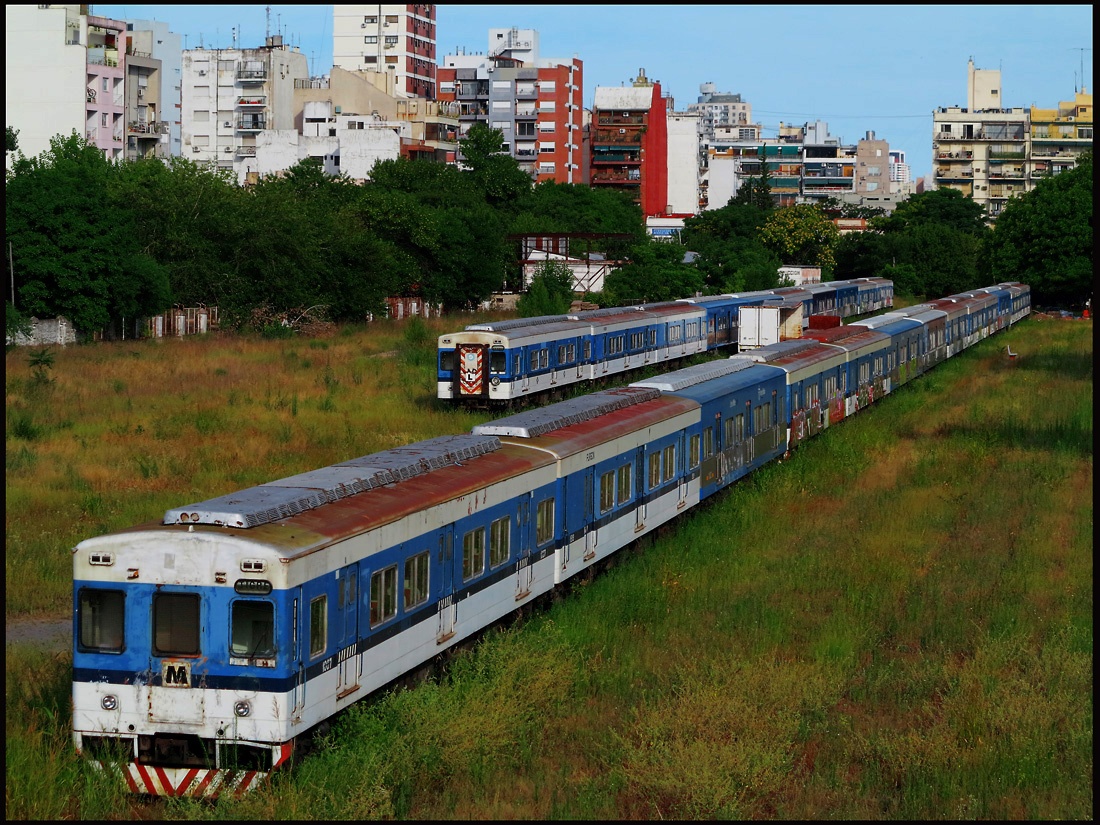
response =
{"points": [[347, 609]]}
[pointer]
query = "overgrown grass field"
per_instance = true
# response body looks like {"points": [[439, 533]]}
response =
{"points": [[896, 623]]}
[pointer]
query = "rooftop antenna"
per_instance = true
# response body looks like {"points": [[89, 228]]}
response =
{"points": [[267, 26], [1081, 49]]}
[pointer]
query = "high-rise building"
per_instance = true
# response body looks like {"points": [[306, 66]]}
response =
{"points": [[629, 143], [152, 39], [396, 39], [535, 102], [991, 153], [230, 95]]}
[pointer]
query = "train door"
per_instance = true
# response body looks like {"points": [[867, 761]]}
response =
{"points": [[446, 609], [347, 628], [525, 368], [471, 369], [299, 633], [524, 569], [681, 471], [591, 533]]}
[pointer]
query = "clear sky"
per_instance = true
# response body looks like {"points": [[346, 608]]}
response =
{"points": [[859, 68]]}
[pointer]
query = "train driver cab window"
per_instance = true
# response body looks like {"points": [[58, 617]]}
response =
{"points": [[101, 620], [447, 361], [253, 629], [416, 580], [176, 624], [544, 521], [318, 625], [497, 361], [383, 595]]}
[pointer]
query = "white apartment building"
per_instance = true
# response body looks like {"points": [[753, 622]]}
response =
{"points": [[396, 39], [58, 96], [719, 110], [229, 96], [683, 163]]}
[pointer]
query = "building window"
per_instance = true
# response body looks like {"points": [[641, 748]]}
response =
{"points": [[391, 40], [370, 38]]}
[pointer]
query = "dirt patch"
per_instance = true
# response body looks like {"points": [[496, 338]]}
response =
{"points": [[53, 632]]}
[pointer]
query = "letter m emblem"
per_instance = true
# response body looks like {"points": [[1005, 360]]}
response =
{"points": [[175, 674]]}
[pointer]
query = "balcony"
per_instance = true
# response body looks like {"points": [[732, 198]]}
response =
{"points": [[152, 129], [615, 157], [246, 151], [251, 124], [251, 101], [253, 74], [630, 177]]}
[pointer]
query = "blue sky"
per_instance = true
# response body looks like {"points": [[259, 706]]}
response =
{"points": [[881, 68]]}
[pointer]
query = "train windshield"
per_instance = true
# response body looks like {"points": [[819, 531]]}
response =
{"points": [[101, 620], [253, 629], [176, 624], [497, 362]]}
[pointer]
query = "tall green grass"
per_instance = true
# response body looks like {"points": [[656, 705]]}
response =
{"points": [[896, 623]]}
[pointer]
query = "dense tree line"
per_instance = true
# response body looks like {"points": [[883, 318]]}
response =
{"points": [[99, 242]]}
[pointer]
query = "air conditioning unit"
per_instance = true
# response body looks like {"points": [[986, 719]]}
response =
{"points": [[622, 131], [227, 124], [202, 72], [196, 149], [362, 25], [141, 93], [227, 149]]}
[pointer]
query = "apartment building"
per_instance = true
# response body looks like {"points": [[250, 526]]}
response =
{"points": [[229, 96], [629, 143], [992, 153], [152, 39], [535, 102], [397, 40], [805, 164], [719, 111]]}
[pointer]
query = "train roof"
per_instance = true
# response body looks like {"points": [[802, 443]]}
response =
{"points": [[531, 423], [289, 496]]}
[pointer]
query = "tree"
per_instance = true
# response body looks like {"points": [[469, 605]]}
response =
{"points": [[756, 191], [11, 139], [656, 272], [801, 234], [76, 247], [1044, 238], [550, 292], [493, 170], [947, 207], [731, 255]]}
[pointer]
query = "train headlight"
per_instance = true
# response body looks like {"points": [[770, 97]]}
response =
{"points": [[242, 708], [495, 382], [109, 702]]}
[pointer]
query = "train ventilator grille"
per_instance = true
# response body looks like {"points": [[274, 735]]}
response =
{"points": [[690, 376], [289, 496]]}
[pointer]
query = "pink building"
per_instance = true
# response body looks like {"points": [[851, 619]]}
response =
{"points": [[105, 110]]}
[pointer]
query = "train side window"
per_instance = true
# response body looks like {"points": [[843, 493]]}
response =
{"points": [[500, 534], [670, 462], [176, 624], [447, 361], [101, 620], [654, 469], [708, 442], [587, 350], [739, 427], [731, 433], [497, 360], [544, 521], [624, 484], [318, 625], [473, 553], [695, 449], [416, 580], [607, 491], [253, 629], [383, 595]]}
